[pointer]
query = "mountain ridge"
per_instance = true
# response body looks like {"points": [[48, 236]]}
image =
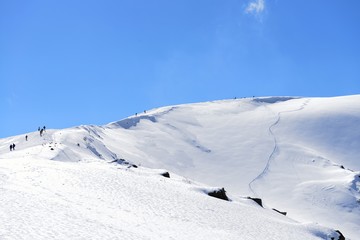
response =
{"points": [[290, 151]]}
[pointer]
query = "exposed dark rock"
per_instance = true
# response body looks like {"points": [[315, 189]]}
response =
{"points": [[341, 237], [342, 167], [257, 200], [220, 193], [124, 162], [165, 174], [283, 213], [117, 161]]}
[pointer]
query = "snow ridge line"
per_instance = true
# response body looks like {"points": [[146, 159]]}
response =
{"points": [[276, 147]]}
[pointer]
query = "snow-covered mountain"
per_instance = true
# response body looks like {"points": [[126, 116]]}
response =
{"points": [[299, 155]]}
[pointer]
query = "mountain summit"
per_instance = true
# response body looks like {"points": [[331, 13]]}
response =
{"points": [[299, 155]]}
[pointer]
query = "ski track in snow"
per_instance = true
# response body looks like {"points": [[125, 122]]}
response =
{"points": [[27, 197], [276, 146]]}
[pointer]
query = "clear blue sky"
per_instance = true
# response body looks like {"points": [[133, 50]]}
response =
{"points": [[72, 62]]}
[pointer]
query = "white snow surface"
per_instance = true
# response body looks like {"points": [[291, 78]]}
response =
{"points": [[299, 155]]}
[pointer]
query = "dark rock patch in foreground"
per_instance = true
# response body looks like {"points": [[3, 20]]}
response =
{"points": [[257, 200], [124, 162], [220, 193], [165, 174], [283, 213], [341, 236]]}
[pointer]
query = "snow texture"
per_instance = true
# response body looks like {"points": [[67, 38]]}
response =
{"points": [[299, 155]]}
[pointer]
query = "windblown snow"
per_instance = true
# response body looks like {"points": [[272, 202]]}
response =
{"points": [[299, 155]]}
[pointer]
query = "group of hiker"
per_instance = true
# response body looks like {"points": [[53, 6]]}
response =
{"points": [[41, 130], [12, 147], [137, 113]]}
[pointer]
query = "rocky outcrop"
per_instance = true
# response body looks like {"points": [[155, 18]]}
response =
{"points": [[220, 193]]}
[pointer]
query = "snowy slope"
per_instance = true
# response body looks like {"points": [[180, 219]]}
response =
{"points": [[300, 155], [42, 199]]}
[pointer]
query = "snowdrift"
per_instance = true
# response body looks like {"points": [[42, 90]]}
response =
{"points": [[299, 155]]}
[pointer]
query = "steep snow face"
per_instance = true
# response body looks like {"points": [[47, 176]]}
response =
{"points": [[327, 126], [298, 154], [316, 162], [301, 155]]}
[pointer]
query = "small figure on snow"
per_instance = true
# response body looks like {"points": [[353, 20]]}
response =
{"points": [[26, 137], [11, 147], [41, 132]]}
